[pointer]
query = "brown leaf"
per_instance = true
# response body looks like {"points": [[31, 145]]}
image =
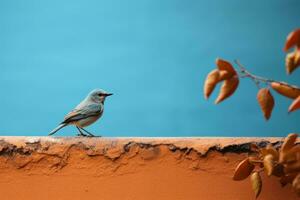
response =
{"points": [[292, 61], [254, 147], [266, 102], [292, 167], [224, 75], [285, 90], [293, 39], [269, 164], [256, 161], [286, 179], [228, 88], [297, 57], [226, 66], [295, 150], [243, 170], [210, 83], [289, 142], [288, 157], [271, 150], [295, 105], [256, 183], [296, 185]]}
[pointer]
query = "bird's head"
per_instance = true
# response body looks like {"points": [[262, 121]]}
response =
{"points": [[98, 95]]}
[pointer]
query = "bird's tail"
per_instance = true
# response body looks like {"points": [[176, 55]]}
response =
{"points": [[57, 129]]}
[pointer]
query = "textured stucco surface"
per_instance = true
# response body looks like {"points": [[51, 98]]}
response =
{"points": [[128, 168]]}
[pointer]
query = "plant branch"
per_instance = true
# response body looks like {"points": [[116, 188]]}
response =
{"points": [[258, 79]]}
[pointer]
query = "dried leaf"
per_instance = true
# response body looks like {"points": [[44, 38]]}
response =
{"points": [[296, 185], [285, 90], [295, 150], [226, 66], [293, 39], [243, 170], [297, 57], [287, 158], [292, 61], [289, 142], [284, 180], [211, 81], [295, 105], [228, 88], [224, 75], [263, 152], [255, 161], [271, 150], [266, 102], [254, 147], [256, 183], [292, 167], [269, 164]]}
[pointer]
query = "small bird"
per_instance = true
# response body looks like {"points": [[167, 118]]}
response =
{"points": [[85, 113]]}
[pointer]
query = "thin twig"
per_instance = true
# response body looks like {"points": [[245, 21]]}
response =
{"points": [[258, 79]]}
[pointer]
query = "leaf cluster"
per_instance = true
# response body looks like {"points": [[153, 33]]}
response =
{"points": [[283, 163], [226, 74]]}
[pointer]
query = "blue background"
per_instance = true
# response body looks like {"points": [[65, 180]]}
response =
{"points": [[152, 54]]}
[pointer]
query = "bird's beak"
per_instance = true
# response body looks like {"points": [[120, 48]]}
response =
{"points": [[108, 94]]}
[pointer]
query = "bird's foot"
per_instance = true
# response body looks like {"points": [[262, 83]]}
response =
{"points": [[82, 135], [98, 136], [92, 135], [87, 132]]}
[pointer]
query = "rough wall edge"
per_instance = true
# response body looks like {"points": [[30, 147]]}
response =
{"points": [[119, 146]]}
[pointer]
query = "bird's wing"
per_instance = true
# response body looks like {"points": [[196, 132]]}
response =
{"points": [[83, 112]]}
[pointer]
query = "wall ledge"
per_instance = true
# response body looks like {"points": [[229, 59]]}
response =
{"points": [[129, 168]]}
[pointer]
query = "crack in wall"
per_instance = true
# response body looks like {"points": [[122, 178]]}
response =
{"points": [[8, 149]]}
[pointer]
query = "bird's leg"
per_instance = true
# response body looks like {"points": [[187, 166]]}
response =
{"points": [[92, 135], [80, 132]]}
